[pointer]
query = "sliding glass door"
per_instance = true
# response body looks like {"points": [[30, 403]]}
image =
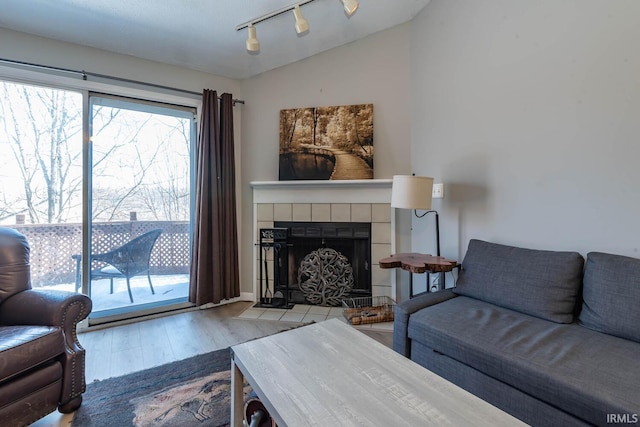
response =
{"points": [[140, 203], [104, 181]]}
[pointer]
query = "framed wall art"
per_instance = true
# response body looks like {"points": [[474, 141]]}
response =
{"points": [[319, 143]]}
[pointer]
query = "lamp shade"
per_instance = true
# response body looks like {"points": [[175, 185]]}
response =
{"points": [[411, 192]]}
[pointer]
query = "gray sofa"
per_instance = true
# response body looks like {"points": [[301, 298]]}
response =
{"points": [[542, 335]]}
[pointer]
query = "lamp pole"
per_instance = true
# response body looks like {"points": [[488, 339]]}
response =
{"points": [[437, 227]]}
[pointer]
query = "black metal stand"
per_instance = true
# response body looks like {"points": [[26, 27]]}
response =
{"points": [[273, 239], [441, 278]]}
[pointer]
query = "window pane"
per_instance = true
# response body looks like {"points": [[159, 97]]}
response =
{"points": [[41, 176]]}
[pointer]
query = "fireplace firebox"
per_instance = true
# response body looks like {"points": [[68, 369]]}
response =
{"points": [[352, 243]]}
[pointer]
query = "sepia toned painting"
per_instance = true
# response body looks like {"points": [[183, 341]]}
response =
{"points": [[326, 143]]}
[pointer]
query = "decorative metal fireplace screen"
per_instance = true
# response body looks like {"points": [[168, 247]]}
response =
{"points": [[324, 262]]}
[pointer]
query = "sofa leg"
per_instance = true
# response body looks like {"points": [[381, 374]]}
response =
{"points": [[70, 406]]}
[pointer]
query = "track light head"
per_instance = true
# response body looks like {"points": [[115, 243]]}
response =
{"points": [[302, 26], [350, 6], [253, 45]]}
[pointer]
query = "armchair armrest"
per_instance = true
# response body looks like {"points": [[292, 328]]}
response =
{"points": [[404, 310], [45, 307], [55, 308]]}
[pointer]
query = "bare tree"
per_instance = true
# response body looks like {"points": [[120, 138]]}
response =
{"points": [[41, 158], [288, 122], [44, 131]]}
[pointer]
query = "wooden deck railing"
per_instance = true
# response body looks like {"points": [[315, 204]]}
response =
{"points": [[53, 244]]}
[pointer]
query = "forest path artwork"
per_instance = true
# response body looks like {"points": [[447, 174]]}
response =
{"points": [[326, 143]]}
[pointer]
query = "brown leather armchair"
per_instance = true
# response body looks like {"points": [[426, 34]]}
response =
{"points": [[41, 360]]}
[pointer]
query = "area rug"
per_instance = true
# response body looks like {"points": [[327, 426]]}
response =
{"points": [[190, 392]]}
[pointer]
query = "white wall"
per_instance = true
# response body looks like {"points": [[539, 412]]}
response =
{"points": [[373, 70], [529, 112], [28, 48]]}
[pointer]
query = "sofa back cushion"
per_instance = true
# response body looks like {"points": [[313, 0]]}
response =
{"points": [[544, 284], [14, 263], [611, 295]]}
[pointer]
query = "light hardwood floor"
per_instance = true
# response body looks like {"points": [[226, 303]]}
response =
{"points": [[120, 350]]}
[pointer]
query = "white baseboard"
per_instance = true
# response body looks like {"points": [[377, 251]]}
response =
{"points": [[247, 296], [244, 296]]}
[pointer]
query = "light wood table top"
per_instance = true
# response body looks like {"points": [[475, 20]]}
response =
{"points": [[330, 374]]}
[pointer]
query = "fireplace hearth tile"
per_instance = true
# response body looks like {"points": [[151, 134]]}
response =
{"points": [[380, 276], [380, 212], [336, 311], [302, 212], [314, 318], [379, 251], [292, 317], [316, 309], [381, 232], [382, 291], [361, 212], [299, 313], [265, 212], [272, 314], [340, 212], [282, 212], [300, 308], [321, 212]]}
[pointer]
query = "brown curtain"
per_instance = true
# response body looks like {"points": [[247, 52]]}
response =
{"points": [[214, 262]]}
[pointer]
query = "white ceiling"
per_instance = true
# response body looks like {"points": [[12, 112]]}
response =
{"points": [[201, 34]]}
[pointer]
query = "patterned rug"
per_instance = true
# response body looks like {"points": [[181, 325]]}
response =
{"points": [[190, 392]]}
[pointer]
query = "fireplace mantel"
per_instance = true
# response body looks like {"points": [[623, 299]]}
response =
{"points": [[327, 191]]}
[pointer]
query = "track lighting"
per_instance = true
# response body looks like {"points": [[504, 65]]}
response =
{"points": [[350, 6], [253, 45], [302, 26]]}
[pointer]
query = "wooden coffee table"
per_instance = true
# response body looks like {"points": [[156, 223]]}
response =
{"points": [[330, 374]]}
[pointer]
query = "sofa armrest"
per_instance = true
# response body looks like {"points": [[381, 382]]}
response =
{"points": [[55, 308], [404, 310]]}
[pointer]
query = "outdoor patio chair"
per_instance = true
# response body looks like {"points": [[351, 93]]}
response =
{"points": [[129, 260]]}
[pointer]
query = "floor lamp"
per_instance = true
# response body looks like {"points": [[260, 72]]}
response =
{"points": [[415, 192]]}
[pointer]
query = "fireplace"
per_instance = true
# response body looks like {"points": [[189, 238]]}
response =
{"points": [[314, 211], [352, 240]]}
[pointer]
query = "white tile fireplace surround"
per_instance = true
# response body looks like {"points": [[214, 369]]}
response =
{"points": [[365, 201]]}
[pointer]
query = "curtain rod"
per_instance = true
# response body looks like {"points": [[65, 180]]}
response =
{"points": [[84, 75]]}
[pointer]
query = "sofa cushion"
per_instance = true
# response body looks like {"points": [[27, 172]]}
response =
{"points": [[583, 372], [541, 283], [611, 295], [24, 347]]}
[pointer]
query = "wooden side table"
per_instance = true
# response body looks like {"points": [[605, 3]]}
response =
{"points": [[418, 263]]}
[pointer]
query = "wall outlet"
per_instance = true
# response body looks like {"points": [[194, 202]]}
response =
{"points": [[438, 191], [434, 279]]}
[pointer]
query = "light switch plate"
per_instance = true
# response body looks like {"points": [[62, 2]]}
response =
{"points": [[438, 191]]}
